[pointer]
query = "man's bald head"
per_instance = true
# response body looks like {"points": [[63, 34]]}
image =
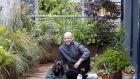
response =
{"points": [[68, 34], [68, 38]]}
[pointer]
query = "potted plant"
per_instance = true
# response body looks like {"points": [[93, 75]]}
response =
{"points": [[106, 72], [128, 72], [115, 60]]}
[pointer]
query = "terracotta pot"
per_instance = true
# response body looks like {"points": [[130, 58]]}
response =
{"points": [[127, 76], [106, 76], [117, 75]]}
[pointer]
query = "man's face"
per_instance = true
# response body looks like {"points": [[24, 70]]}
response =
{"points": [[67, 39]]}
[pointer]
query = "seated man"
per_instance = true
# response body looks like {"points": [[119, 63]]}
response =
{"points": [[76, 56]]}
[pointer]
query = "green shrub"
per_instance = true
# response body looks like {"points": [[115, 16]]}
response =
{"points": [[118, 59]]}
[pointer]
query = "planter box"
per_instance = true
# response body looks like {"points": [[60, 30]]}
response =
{"points": [[5, 75]]}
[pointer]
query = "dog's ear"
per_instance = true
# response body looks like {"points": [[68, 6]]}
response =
{"points": [[55, 61], [58, 62], [61, 61]]}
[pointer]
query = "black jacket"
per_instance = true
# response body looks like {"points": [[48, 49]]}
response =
{"points": [[71, 53]]}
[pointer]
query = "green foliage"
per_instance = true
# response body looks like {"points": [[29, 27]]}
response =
{"points": [[18, 50], [106, 36], [6, 59], [20, 63], [107, 69], [54, 28], [27, 23], [84, 33], [129, 69], [26, 46], [57, 7], [105, 22], [120, 41], [118, 59], [4, 41], [87, 32], [48, 30], [26, 50]]}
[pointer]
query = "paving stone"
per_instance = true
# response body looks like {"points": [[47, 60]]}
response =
{"points": [[39, 72]]}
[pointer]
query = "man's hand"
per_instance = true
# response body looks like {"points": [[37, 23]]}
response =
{"points": [[76, 65]]}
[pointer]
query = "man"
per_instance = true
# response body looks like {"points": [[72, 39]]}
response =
{"points": [[76, 56]]}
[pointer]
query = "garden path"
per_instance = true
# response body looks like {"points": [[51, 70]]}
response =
{"points": [[39, 72]]}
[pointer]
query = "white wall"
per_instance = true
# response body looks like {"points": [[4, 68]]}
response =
{"points": [[8, 12]]}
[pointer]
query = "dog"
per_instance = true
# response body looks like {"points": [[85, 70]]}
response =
{"points": [[58, 69]]}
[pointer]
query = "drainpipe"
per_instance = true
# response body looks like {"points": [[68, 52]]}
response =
{"points": [[135, 35], [138, 49], [122, 10], [128, 23], [131, 25], [36, 10]]}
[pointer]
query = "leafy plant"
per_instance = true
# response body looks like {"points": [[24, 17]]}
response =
{"points": [[6, 62], [104, 25], [85, 34], [107, 69], [4, 41], [120, 41], [6, 57], [26, 50], [118, 59], [55, 27], [57, 7], [129, 69], [106, 72], [96, 30]]}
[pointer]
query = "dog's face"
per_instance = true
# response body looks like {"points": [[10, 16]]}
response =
{"points": [[59, 62], [58, 68]]}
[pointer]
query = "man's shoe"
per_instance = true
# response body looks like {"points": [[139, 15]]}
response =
{"points": [[79, 76]]}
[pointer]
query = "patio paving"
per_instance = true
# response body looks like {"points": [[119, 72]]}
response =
{"points": [[39, 73]]}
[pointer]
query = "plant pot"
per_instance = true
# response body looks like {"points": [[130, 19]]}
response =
{"points": [[127, 75], [4, 74], [117, 75], [106, 76]]}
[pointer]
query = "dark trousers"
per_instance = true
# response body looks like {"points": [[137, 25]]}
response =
{"points": [[72, 73]]}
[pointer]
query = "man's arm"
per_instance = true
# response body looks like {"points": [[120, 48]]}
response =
{"points": [[85, 55], [76, 65], [85, 52], [62, 57]]}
